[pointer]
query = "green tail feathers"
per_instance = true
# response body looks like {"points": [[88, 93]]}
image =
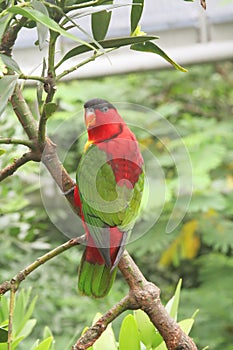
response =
{"points": [[94, 279]]}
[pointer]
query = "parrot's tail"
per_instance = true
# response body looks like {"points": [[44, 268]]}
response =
{"points": [[95, 278]]}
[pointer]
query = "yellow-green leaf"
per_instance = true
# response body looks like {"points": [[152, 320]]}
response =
{"points": [[129, 336], [173, 303], [147, 331]]}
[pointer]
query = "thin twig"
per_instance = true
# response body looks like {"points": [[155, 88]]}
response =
{"points": [[10, 318], [95, 331], [79, 6], [9, 140], [77, 66], [32, 77], [203, 4], [11, 168], [7, 285], [50, 87]]}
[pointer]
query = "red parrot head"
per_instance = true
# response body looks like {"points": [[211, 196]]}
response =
{"points": [[102, 120]]}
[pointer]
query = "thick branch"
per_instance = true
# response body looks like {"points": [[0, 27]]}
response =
{"points": [[24, 114], [7, 285], [147, 297], [10, 36], [59, 173]]}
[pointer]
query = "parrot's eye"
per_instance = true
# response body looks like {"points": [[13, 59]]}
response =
{"points": [[105, 109], [91, 110]]}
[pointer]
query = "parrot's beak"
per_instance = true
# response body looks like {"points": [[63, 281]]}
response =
{"points": [[90, 117]]}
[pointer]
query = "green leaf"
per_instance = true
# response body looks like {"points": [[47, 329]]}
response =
{"points": [[186, 325], [42, 30], [45, 344], [97, 9], [10, 63], [136, 13], [106, 341], [129, 336], [27, 314], [50, 108], [7, 85], [3, 335], [2, 151], [47, 21], [153, 48], [106, 44], [27, 328], [149, 336], [16, 342], [173, 303], [99, 24], [47, 332], [35, 345]]}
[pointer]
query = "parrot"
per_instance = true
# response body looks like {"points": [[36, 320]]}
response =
{"points": [[108, 192]]}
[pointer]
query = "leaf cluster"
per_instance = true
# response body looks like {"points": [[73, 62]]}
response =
{"points": [[23, 323]]}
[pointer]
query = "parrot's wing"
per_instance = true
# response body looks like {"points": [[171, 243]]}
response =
{"points": [[104, 203]]}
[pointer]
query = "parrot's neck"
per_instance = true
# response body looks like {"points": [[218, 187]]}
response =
{"points": [[104, 132]]}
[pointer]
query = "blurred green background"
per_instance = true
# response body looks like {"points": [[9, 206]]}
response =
{"points": [[199, 105]]}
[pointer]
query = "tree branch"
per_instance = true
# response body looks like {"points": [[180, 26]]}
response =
{"points": [[10, 141], [32, 77], [147, 297], [15, 281], [77, 66], [203, 4], [10, 169], [79, 6], [49, 86], [94, 332], [24, 114], [10, 36], [58, 172], [10, 318]]}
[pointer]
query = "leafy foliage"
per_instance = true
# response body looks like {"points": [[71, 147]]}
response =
{"points": [[23, 324]]}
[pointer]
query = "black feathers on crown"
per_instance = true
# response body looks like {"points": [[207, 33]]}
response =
{"points": [[98, 103]]}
